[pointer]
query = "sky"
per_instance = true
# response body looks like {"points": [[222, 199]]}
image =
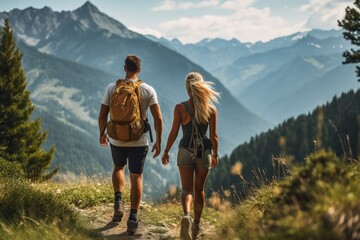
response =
{"points": [[192, 21]]}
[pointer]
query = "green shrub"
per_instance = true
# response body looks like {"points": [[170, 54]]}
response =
{"points": [[318, 201], [12, 170], [23, 205]]}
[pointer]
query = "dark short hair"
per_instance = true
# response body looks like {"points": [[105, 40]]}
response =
{"points": [[132, 63]]}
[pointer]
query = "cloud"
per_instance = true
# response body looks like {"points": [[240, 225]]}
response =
{"points": [[246, 24], [236, 4], [323, 14], [169, 5], [317, 5], [242, 20]]}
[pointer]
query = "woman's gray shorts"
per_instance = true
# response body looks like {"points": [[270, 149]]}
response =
{"points": [[187, 158]]}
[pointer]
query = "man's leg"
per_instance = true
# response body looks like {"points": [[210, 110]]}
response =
{"points": [[135, 194], [118, 178], [137, 157], [120, 159]]}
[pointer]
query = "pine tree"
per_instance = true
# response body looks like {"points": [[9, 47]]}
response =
{"points": [[351, 25], [21, 137]]}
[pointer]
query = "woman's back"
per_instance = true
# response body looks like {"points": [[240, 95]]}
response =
{"points": [[186, 115]]}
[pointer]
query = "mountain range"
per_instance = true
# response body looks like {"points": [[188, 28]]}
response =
{"points": [[71, 56], [278, 79]]}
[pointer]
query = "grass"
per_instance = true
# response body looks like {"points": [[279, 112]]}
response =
{"points": [[318, 201], [29, 213], [82, 194]]}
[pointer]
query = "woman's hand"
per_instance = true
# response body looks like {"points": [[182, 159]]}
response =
{"points": [[214, 160], [165, 158]]}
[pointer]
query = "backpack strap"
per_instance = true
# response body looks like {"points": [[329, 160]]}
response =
{"points": [[137, 91], [196, 138], [188, 108], [118, 83]]}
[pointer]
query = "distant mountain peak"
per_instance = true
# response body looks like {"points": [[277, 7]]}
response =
{"points": [[176, 41], [47, 9], [87, 7], [89, 18]]}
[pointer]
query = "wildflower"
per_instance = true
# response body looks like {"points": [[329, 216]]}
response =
{"points": [[236, 169]]}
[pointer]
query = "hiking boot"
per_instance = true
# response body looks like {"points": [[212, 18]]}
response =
{"points": [[197, 231], [132, 226], [185, 228], [118, 211]]}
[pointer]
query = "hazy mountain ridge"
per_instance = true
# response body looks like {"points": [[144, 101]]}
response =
{"points": [[241, 73], [209, 53], [340, 78], [266, 79], [291, 77]]}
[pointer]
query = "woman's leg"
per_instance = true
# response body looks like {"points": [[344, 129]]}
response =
{"points": [[187, 179], [199, 195]]}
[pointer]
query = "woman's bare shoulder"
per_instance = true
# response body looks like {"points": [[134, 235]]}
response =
{"points": [[179, 106]]}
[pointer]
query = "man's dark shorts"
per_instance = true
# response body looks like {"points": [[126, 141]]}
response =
{"points": [[135, 155]]}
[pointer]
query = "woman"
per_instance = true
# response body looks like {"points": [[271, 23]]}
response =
{"points": [[197, 153]]}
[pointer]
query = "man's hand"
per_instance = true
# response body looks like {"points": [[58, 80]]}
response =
{"points": [[104, 141], [157, 149]]}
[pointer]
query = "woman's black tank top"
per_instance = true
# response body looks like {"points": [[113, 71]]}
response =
{"points": [[187, 131]]}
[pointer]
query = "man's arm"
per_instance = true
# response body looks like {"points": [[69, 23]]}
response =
{"points": [[102, 120], [156, 113]]}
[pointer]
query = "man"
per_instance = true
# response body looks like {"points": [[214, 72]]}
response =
{"points": [[134, 152]]}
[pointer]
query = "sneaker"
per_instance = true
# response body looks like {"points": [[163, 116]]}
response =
{"points": [[118, 211], [197, 231], [185, 228], [132, 226]]}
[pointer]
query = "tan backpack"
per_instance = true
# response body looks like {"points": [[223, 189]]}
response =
{"points": [[126, 121]]}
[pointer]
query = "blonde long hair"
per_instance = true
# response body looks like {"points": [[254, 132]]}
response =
{"points": [[204, 96]]}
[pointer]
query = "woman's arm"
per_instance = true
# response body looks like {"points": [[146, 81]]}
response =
{"points": [[214, 139], [172, 135]]}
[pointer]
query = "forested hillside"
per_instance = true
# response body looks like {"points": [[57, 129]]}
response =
{"points": [[334, 125]]}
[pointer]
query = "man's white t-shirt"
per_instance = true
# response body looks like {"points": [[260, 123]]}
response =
{"points": [[148, 97]]}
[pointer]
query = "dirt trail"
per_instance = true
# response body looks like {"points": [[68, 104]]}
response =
{"points": [[100, 217]]}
